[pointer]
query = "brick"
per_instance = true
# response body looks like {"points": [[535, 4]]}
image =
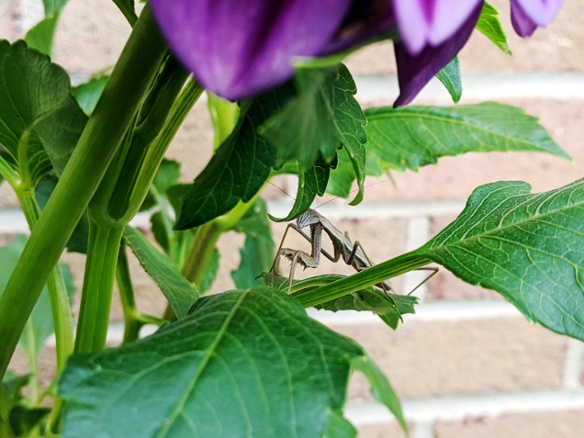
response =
{"points": [[563, 424], [454, 178], [90, 36], [383, 431], [47, 367], [432, 358], [9, 20], [7, 196], [555, 48]]}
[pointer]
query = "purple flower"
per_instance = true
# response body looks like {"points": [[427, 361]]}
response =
{"points": [[423, 23], [432, 33], [528, 15], [242, 48], [239, 49]]}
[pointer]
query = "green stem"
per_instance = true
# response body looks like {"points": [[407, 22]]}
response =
{"points": [[127, 11], [98, 144], [369, 277], [60, 308], [178, 112], [60, 304], [31, 355], [8, 173], [98, 281], [124, 280]]}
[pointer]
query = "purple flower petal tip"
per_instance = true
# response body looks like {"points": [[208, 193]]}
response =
{"points": [[528, 15], [415, 71], [424, 23]]}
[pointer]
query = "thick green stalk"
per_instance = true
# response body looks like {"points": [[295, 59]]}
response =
{"points": [[98, 281], [98, 144], [369, 277]]}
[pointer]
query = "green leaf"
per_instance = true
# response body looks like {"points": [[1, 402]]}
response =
{"points": [[411, 137], [179, 292], [311, 182], [238, 169], [338, 426], [88, 93], [244, 363], [127, 8], [257, 253], [374, 300], [528, 247], [53, 6], [40, 37], [324, 116], [16, 417], [40, 324], [305, 129], [166, 176], [450, 78], [39, 121], [490, 26], [380, 387]]}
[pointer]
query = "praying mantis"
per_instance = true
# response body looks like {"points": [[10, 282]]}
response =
{"points": [[352, 253]]}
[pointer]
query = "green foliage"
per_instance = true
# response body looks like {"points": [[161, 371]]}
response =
{"points": [[248, 362], [40, 325], [318, 112], [491, 27], [40, 121], [17, 418], [178, 291], [528, 247], [389, 309], [88, 93], [450, 78], [244, 363], [237, 170], [311, 182], [40, 36], [408, 138], [257, 253]]}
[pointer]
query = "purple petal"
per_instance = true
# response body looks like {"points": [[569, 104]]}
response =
{"points": [[238, 48], [414, 72], [523, 25], [366, 19], [430, 22], [541, 12]]}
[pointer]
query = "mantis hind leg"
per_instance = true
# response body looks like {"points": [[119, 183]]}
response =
{"points": [[434, 270]]}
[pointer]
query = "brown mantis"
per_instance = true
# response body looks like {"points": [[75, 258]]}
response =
{"points": [[352, 253]]}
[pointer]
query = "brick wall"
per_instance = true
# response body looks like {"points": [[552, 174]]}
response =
{"points": [[467, 365]]}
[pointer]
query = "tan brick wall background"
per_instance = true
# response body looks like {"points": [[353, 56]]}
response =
{"points": [[467, 365]]}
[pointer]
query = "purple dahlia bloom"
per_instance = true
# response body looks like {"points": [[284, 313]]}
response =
{"points": [[239, 49], [528, 15], [242, 48]]}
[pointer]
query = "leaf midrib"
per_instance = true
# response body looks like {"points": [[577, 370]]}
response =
{"points": [[204, 361]]}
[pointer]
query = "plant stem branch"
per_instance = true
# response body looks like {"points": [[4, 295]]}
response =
{"points": [[100, 268], [98, 144], [369, 277]]}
